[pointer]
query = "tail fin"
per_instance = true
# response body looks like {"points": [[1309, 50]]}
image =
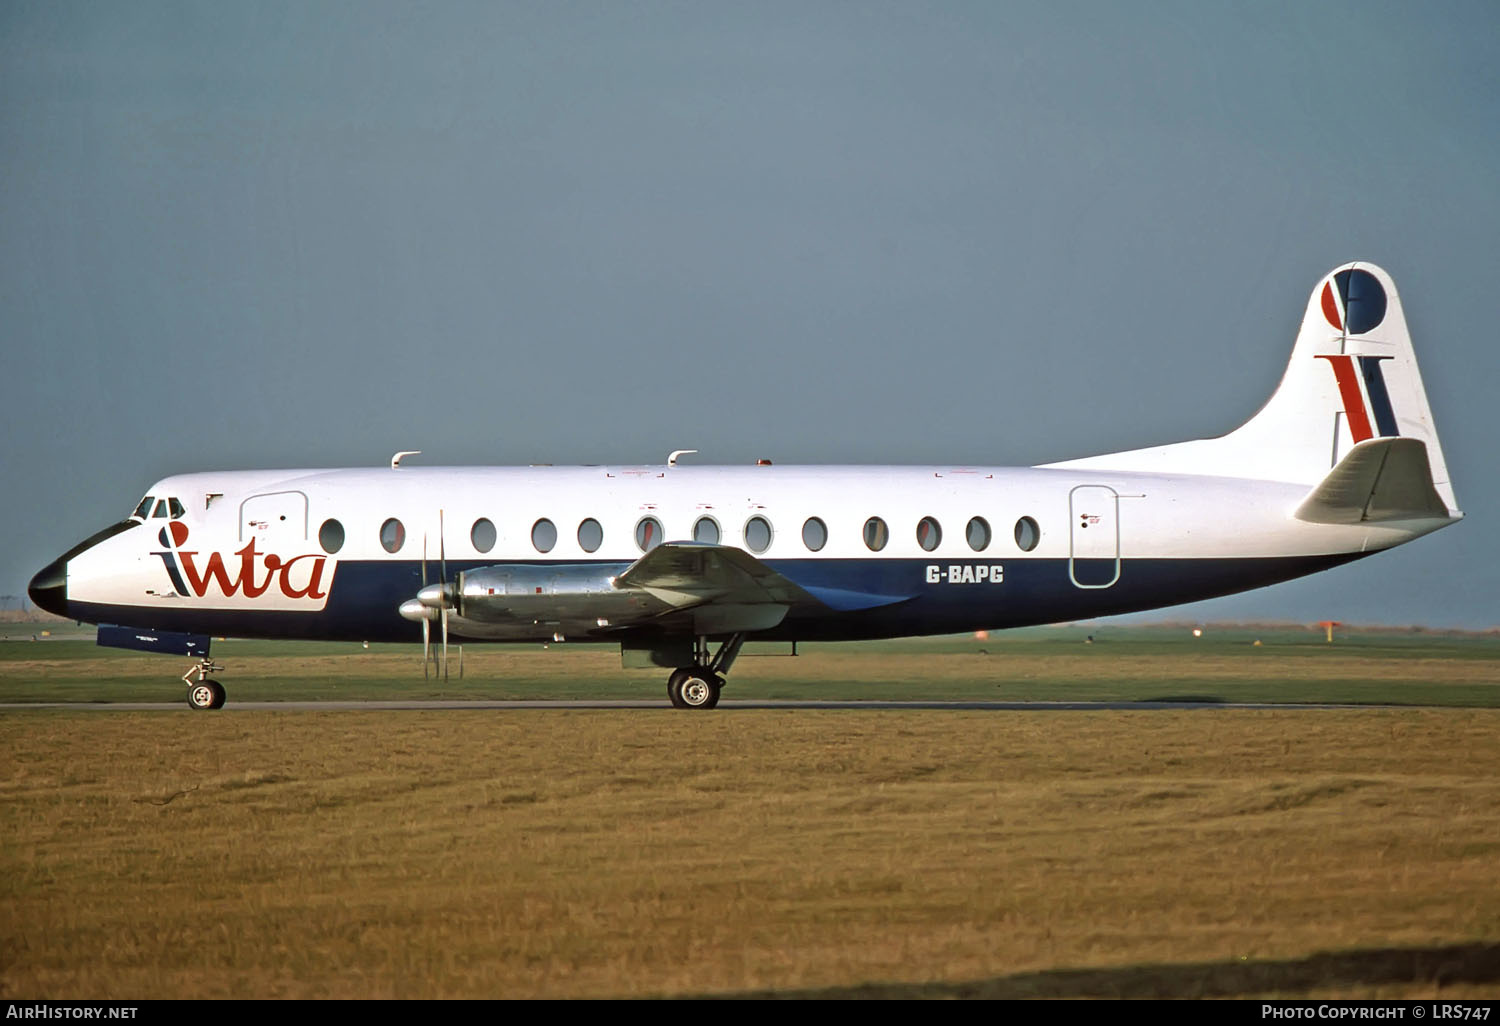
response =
{"points": [[1352, 377]]}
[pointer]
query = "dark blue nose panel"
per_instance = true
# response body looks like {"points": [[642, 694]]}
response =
{"points": [[49, 588]]}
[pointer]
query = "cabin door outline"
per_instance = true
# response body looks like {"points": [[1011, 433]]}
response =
{"points": [[1094, 536], [274, 517]]}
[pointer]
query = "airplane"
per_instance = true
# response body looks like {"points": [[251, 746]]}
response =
{"points": [[680, 564]]}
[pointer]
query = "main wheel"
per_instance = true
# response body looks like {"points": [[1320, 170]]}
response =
{"points": [[206, 694], [674, 687], [697, 689]]}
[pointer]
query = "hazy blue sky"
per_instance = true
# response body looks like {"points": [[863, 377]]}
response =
{"points": [[309, 234]]}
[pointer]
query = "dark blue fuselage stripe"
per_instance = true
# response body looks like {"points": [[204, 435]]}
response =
{"points": [[1380, 399], [364, 597]]}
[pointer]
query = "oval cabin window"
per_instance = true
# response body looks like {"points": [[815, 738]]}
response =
{"points": [[392, 535], [977, 534], [929, 534], [1028, 534], [648, 534], [482, 534], [758, 534]]}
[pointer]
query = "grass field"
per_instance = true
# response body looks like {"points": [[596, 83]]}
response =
{"points": [[595, 853], [1057, 664]]}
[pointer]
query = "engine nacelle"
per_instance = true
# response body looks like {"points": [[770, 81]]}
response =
{"points": [[568, 592]]}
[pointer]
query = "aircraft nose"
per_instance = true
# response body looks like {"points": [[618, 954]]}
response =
{"points": [[49, 588]]}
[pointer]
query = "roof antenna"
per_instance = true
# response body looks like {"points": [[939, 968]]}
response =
{"points": [[672, 459], [396, 459]]}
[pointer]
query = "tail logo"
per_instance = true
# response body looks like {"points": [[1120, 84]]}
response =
{"points": [[1355, 409], [1353, 302]]}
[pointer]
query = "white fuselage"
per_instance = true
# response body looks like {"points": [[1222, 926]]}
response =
{"points": [[257, 542]]}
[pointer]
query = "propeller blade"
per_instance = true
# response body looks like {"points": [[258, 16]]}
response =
{"points": [[426, 624], [448, 596]]}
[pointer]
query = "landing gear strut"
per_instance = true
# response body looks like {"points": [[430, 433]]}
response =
{"points": [[204, 693], [698, 686]]}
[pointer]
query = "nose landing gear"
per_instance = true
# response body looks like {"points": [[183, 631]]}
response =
{"points": [[204, 693]]}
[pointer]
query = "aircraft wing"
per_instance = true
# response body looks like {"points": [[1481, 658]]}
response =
{"points": [[677, 588], [728, 590]]}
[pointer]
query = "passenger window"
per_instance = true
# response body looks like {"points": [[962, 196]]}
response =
{"points": [[590, 535], [814, 534], [175, 508], [331, 536], [1027, 534], [876, 534], [392, 535], [929, 534], [483, 534], [648, 534], [978, 534], [706, 530], [544, 535], [758, 534]]}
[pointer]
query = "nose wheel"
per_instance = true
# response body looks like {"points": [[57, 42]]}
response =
{"points": [[207, 695], [204, 692]]}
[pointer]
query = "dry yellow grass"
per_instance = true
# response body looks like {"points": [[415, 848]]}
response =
{"points": [[592, 853], [1010, 671]]}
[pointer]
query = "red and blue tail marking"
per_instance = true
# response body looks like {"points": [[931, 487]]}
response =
{"points": [[1355, 407]]}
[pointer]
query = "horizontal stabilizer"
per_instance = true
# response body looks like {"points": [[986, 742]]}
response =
{"points": [[1380, 479]]}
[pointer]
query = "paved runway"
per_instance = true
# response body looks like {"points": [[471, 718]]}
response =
{"points": [[726, 705]]}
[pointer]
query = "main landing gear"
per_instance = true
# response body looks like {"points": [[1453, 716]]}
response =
{"points": [[204, 693], [698, 686]]}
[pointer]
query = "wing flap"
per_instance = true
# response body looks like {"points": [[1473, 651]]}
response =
{"points": [[726, 589], [685, 572]]}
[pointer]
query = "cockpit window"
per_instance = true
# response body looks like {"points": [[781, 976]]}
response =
{"points": [[161, 510], [175, 508], [144, 509]]}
